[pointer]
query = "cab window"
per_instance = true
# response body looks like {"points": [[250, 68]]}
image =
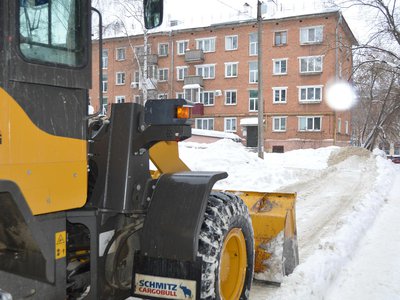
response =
{"points": [[52, 31]]}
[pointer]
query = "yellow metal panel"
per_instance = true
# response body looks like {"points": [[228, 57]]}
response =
{"points": [[51, 171], [165, 156], [271, 213]]}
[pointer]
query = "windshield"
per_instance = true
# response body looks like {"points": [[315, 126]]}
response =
{"points": [[51, 31]]}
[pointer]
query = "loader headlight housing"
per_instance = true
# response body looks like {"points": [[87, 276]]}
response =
{"points": [[168, 112]]}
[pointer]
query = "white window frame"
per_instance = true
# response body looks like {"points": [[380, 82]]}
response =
{"points": [[180, 95], [228, 97], [181, 73], [339, 125], [308, 60], [118, 51], [206, 44], [104, 59], [313, 99], [281, 125], [253, 45], [119, 99], [277, 66], [305, 38], [253, 102], [206, 71], [120, 78], [231, 42], [163, 49], [162, 96], [279, 90], [253, 73], [280, 32], [346, 124], [163, 74], [231, 69], [104, 83], [179, 44], [210, 98], [230, 124], [313, 123], [208, 122]]}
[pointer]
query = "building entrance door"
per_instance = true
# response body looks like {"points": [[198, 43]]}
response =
{"points": [[252, 136]]}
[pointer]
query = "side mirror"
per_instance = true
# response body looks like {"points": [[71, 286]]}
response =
{"points": [[153, 13]]}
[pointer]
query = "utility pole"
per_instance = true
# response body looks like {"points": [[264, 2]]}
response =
{"points": [[260, 145]]}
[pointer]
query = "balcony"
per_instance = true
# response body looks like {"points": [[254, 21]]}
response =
{"points": [[194, 56], [193, 80]]}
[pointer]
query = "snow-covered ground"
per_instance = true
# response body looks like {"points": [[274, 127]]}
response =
{"points": [[348, 208]]}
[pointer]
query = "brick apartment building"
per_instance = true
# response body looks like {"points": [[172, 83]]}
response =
{"points": [[217, 66]]}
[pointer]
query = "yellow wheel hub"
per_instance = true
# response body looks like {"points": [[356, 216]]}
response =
{"points": [[233, 265]]}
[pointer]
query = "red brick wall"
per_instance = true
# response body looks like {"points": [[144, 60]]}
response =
{"points": [[292, 108]]}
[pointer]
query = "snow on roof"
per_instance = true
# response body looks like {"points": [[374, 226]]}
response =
{"points": [[118, 19]]}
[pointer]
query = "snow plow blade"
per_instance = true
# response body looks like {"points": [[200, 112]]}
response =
{"points": [[274, 223]]}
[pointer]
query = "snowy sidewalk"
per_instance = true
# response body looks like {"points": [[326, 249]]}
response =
{"points": [[374, 271]]}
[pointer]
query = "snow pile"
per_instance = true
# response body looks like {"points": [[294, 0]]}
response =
{"points": [[340, 191]]}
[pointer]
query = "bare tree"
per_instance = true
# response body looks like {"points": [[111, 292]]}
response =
{"points": [[376, 73], [377, 117]]}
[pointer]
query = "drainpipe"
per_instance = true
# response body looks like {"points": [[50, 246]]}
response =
{"points": [[172, 66], [260, 76], [336, 72]]}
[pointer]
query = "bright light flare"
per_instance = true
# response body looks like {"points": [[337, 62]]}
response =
{"points": [[340, 95]]}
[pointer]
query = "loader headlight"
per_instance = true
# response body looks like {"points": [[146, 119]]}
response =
{"points": [[168, 112], [183, 112]]}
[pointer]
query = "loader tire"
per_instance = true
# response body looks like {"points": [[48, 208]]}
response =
{"points": [[226, 245]]}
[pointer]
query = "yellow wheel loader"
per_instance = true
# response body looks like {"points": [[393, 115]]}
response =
{"points": [[81, 214]]}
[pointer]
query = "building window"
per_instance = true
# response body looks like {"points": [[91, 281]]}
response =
{"points": [[280, 66], [207, 98], [180, 95], [120, 78], [231, 42], [339, 125], [120, 53], [162, 96], [231, 69], [182, 46], [104, 105], [205, 123], [396, 149], [104, 59], [280, 38], [163, 74], [207, 45], [279, 124], [310, 123], [152, 71], [163, 49], [310, 93], [137, 99], [136, 77], [311, 35], [230, 124], [253, 100], [253, 72], [279, 94], [104, 84], [311, 64], [206, 71], [346, 124], [119, 99], [253, 44], [181, 72], [231, 97]]}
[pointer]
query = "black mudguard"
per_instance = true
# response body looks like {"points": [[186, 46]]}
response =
{"points": [[176, 212]]}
